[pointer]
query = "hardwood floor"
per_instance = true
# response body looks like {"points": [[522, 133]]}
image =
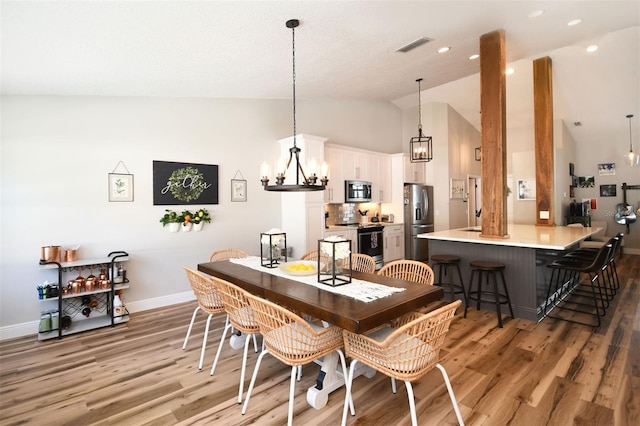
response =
{"points": [[551, 373]]}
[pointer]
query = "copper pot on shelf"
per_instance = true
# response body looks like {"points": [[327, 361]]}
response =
{"points": [[51, 253]]}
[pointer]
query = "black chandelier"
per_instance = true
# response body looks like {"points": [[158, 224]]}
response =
{"points": [[420, 146], [303, 182]]}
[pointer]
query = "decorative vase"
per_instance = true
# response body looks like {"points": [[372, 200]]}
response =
{"points": [[197, 226], [174, 227], [186, 227]]}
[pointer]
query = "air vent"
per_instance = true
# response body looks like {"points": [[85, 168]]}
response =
{"points": [[414, 44], [577, 123]]}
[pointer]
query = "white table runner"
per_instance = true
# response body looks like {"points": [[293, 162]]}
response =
{"points": [[365, 291]]}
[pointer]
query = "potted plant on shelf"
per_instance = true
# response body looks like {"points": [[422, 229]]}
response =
{"points": [[185, 220], [199, 219], [171, 219]]}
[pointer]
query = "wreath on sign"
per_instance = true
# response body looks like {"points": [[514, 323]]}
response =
{"points": [[187, 184]]}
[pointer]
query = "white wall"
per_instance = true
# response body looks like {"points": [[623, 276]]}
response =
{"points": [[56, 154]]}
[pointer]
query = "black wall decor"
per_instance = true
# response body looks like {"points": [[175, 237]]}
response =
{"points": [[184, 183]]}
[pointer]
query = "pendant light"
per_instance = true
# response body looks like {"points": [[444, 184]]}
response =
{"points": [[420, 146], [303, 182], [632, 158]]}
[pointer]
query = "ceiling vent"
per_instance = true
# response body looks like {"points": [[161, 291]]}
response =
{"points": [[577, 123], [414, 44]]}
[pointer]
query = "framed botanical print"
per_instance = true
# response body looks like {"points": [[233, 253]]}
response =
{"points": [[120, 187], [238, 190]]}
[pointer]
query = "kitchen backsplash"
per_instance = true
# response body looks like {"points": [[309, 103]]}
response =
{"points": [[349, 212]]}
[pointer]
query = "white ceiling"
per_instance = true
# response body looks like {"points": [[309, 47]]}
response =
{"points": [[344, 50]]}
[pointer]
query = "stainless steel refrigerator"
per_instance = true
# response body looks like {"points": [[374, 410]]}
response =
{"points": [[418, 219]]}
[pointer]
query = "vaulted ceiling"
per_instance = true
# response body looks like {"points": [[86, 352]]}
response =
{"points": [[344, 50]]}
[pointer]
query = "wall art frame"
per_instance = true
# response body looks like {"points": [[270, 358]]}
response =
{"points": [[120, 187], [608, 191], [184, 183], [606, 169], [457, 189], [526, 189], [238, 190]]}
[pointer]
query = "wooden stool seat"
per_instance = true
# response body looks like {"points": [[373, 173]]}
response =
{"points": [[445, 258], [489, 269], [444, 262]]}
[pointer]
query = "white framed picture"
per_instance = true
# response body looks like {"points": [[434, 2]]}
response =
{"points": [[457, 188], [238, 190], [120, 187], [527, 189]]}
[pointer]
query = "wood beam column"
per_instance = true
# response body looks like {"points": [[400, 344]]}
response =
{"points": [[493, 107], [543, 124]]}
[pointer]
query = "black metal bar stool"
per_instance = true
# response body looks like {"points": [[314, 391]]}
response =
{"points": [[447, 262], [488, 269]]}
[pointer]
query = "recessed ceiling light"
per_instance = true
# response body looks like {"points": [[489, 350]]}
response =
{"points": [[536, 13], [509, 71], [474, 56], [444, 49], [574, 22], [592, 48]]}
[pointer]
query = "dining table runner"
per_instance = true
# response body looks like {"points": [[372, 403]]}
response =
{"points": [[365, 291]]}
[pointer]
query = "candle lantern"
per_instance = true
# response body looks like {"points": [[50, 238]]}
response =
{"points": [[334, 261], [273, 248]]}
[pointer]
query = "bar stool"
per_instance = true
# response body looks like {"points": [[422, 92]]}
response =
{"points": [[489, 269], [448, 262]]}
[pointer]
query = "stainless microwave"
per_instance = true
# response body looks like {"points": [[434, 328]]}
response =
{"points": [[357, 191]]}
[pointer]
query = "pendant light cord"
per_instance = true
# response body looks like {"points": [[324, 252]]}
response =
{"points": [[419, 110], [293, 49], [630, 142]]}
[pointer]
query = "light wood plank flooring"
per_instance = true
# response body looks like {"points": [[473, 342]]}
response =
{"points": [[551, 373]]}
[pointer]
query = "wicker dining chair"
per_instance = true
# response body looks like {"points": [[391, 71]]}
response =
{"points": [[313, 255], [409, 270], [292, 340], [406, 351], [208, 300], [363, 263], [240, 318], [216, 256], [226, 254]]}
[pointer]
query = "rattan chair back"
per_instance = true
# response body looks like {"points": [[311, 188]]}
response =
{"points": [[226, 254], [289, 337], [412, 348], [208, 297], [409, 270], [363, 263], [237, 306]]}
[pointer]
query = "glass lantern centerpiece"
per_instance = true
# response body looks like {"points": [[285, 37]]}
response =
{"points": [[336, 253], [273, 244]]}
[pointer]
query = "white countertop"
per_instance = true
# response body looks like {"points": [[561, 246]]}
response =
{"points": [[532, 236]]}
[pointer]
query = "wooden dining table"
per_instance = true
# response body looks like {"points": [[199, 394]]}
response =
{"points": [[339, 310]]}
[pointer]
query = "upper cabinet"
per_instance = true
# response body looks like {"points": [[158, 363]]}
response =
{"points": [[352, 164], [413, 172], [380, 172]]}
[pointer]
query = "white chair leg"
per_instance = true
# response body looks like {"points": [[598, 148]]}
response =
{"points": [[348, 400], [193, 319], [255, 343], [451, 394], [343, 361], [412, 403], [299, 373], [227, 327], [292, 391], [394, 389], [204, 342], [253, 380], [243, 369]]}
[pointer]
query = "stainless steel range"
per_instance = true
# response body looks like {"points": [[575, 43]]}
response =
{"points": [[370, 241]]}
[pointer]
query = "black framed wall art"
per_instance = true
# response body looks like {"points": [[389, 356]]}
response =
{"points": [[184, 183]]}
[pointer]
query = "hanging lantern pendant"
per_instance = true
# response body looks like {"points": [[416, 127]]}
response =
{"points": [[421, 146]]}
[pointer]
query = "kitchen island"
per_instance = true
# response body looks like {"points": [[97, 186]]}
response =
{"points": [[526, 251]]}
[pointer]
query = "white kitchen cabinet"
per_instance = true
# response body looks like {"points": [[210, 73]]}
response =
{"points": [[78, 306], [334, 192], [355, 165], [380, 173], [393, 242], [413, 172]]}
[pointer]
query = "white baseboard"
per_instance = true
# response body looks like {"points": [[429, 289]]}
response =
{"points": [[31, 327]]}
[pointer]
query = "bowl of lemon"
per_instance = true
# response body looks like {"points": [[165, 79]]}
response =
{"points": [[300, 267]]}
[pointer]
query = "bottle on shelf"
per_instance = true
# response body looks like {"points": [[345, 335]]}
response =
{"points": [[118, 308]]}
